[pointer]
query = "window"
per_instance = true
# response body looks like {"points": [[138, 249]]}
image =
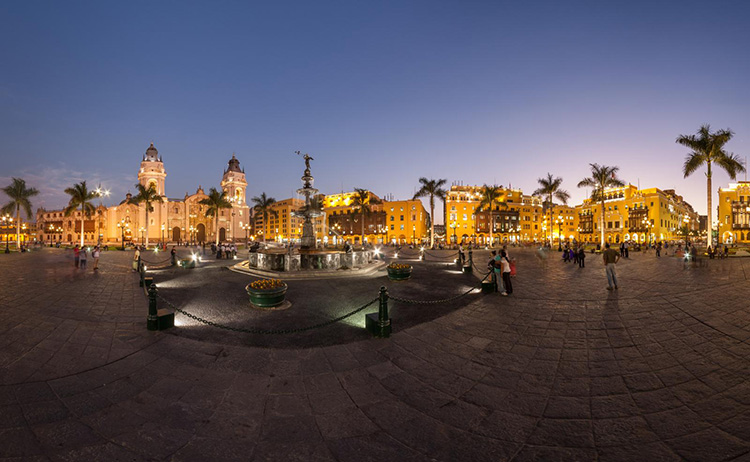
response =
{"points": [[392, 217], [464, 217], [402, 227], [413, 217], [402, 218], [392, 227]]}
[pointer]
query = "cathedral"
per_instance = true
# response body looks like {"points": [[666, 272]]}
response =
{"points": [[172, 220]]}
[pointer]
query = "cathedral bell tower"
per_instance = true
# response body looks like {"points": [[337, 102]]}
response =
{"points": [[233, 183], [152, 170]]}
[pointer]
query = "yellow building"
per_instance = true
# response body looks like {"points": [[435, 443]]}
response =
{"points": [[514, 218], [561, 224], [396, 222], [283, 226], [630, 214], [734, 213]]}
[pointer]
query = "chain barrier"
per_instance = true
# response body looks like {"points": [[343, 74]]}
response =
{"points": [[263, 331], [444, 257], [445, 300], [156, 262]]}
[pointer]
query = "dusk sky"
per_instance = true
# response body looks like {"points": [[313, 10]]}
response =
{"points": [[379, 93]]}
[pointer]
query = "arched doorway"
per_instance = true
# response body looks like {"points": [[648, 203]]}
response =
{"points": [[201, 234], [70, 238], [176, 234], [222, 234]]}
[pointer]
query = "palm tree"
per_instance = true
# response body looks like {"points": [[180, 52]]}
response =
{"points": [[602, 177], [361, 201], [489, 197], [432, 189], [708, 148], [19, 198], [214, 202], [146, 196], [80, 196], [549, 189], [263, 205]]}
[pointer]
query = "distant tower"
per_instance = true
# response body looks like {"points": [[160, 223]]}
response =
{"points": [[152, 170], [235, 185]]}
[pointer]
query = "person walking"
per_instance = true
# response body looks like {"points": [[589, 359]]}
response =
{"points": [[581, 257], [76, 255], [136, 259], [658, 249], [173, 255], [83, 255], [610, 258], [505, 265], [498, 267], [95, 255]]}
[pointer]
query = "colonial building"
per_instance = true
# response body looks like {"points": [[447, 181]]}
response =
{"points": [[172, 220], [734, 213]]}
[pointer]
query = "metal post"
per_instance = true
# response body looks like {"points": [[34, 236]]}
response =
{"points": [[383, 319], [141, 271], [152, 320]]}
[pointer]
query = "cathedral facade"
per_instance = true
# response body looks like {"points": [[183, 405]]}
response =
{"points": [[172, 220]]}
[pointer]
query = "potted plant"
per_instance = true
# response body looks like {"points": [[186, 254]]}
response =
{"points": [[399, 271], [267, 293]]}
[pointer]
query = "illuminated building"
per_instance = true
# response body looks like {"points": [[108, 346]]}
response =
{"points": [[174, 220], [734, 213]]}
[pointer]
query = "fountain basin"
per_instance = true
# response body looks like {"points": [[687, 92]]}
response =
{"points": [[310, 260]]}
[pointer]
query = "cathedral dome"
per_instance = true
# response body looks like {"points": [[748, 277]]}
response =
{"points": [[234, 165], [152, 155]]}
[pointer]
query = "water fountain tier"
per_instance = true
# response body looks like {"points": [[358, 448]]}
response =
{"points": [[310, 210]]}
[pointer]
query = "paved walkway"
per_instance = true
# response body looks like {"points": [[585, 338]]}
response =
{"points": [[560, 370]]}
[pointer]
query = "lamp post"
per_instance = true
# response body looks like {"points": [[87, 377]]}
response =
{"points": [[6, 219], [559, 222], [143, 233], [162, 234], [686, 220]]}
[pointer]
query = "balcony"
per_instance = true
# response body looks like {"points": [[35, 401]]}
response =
{"points": [[740, 225]]}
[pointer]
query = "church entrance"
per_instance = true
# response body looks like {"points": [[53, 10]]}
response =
{"points": [[201, 234], [222, 234], [176, 234]]}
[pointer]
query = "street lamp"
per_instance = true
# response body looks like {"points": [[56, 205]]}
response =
{"points": [[6, 226], [143, 233], [647, 224], [559, 222]]}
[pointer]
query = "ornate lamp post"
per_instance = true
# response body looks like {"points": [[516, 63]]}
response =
{"points": [[143, 232], [559, 221]]}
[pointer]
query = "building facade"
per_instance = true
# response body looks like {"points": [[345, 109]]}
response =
{"points": [[733, 225], [172, 220]]}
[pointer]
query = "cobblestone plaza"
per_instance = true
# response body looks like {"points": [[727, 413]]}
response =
{"points": [[560, 370]]}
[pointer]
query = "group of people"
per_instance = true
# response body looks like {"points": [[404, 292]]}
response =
{"points": [[81, 256], [224, 250], [576, 254], [502, 267]]}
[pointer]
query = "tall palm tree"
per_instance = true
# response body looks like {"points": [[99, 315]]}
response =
{"points": [[549, 189], [602, 177], [146, 196], [361, 201], [215, 201], [432, 188], [708, 148], [80, 196], [263, 205], [489, 198], [19, 198]]}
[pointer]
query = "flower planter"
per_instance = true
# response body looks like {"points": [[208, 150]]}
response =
{"points": [[267, 298], [399, 274], [187, 263]]}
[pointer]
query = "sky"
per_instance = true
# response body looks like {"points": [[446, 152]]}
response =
{"points": [[379, 93]]}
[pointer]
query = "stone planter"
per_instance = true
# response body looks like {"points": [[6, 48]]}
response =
{"points": [[488, 287], [267, 298], [467, 269], [400, 274]]}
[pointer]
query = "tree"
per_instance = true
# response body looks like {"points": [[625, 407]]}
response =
{"points": [[19, 199], [491, 197], [708, 148], [146, 196], [80, 196], [361, 202], [549, 189], [602, 177], [215, 201], [263, 205], [432, 189]]}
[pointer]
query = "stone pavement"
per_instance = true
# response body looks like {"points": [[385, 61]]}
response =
{"points": [[560, 370]]}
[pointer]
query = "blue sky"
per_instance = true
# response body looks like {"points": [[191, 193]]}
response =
{"points": [[380, 93]]}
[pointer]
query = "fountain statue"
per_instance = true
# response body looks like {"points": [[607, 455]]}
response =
{"points": [[311, 209]]}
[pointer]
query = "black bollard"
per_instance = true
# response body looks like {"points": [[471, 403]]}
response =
{"points": [[469, 268], [379, 324], [152, 320]]}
